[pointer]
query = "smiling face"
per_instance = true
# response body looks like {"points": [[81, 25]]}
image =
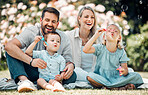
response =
{"points": [[49, 22], [113, 33], [53, 41], [87, 19]]}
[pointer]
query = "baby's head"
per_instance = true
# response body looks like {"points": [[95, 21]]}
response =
{"points": [[113, 33], [53, 39]]}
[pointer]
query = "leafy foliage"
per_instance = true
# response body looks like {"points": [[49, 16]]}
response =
{"points": [[137, 47]]}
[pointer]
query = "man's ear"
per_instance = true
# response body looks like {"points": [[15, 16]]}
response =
{"points": [[58, 24]]}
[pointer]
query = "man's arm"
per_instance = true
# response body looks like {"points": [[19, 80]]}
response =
{"points": [[67, 54], [13, 49]]}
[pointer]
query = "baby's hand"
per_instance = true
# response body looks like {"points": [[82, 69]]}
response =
{"points": [[58, 77], [37, 39]]}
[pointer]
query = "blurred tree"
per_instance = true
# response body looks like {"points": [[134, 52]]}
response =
{"points": [[136, 11], [137, 47]]}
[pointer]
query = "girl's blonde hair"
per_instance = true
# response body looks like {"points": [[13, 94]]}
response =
{"points": [[119, 42], [93, 29]]}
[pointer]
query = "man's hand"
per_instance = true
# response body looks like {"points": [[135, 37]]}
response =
{"points": [[39, 63], [69, 70]]}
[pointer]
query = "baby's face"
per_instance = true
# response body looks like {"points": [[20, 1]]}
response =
{"points": [[112, 32], [53, 41]]}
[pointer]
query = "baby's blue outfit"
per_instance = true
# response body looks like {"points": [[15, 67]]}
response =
{"points": [[105, 70], [55, 64]]}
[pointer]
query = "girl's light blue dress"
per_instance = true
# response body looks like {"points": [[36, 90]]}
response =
{"points": [[105, 70]]}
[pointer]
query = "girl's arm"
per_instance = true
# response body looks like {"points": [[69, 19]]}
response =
{"points": [[124, 69], [88, 48], [29, 50]]}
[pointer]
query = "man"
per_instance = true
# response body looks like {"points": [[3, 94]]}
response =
{"points": [[23, 68]]}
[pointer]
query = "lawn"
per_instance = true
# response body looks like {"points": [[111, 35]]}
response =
{"points": [[78, 91]]}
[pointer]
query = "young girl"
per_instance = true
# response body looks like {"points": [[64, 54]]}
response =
{"points": [[110, 56], [50, 77]]}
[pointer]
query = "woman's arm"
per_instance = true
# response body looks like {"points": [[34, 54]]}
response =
{"points": [[29, 50], [88, 48]]}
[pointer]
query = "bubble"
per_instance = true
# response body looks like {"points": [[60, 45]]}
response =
{"points": [[124, 44], [124, 7], [115, 4], [140, 2], [139, 16]]}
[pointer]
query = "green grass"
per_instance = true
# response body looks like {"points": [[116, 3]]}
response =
{"points": [[78, 91]]}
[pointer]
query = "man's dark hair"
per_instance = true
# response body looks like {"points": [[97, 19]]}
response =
{"points": [[51, 10]]}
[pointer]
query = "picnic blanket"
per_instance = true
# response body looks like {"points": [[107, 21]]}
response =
{"points": [[9, 84]]}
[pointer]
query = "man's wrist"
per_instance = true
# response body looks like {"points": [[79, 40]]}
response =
{"points": [[70, 63], [31, 62]]}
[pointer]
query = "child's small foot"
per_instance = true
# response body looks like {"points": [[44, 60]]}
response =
{"points": [[130, 86], [59, 90]]}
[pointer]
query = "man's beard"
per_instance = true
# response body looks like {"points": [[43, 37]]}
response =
{"points": [[44, 27]]}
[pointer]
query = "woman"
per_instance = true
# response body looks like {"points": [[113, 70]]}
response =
{"points": [[84, 63]]}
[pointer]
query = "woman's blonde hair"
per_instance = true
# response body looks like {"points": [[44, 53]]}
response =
{"points": [[93, 29], [119, 42]]}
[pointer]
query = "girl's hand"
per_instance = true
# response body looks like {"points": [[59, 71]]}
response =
{"points": [[100, 31], [123, 71], [37, 39]]}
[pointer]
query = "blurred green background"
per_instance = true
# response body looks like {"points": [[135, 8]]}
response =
{"points": [[130, 15]]}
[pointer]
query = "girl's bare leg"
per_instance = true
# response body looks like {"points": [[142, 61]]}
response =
{"points": [[57, 86], [93, 82], [44, 84]]}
